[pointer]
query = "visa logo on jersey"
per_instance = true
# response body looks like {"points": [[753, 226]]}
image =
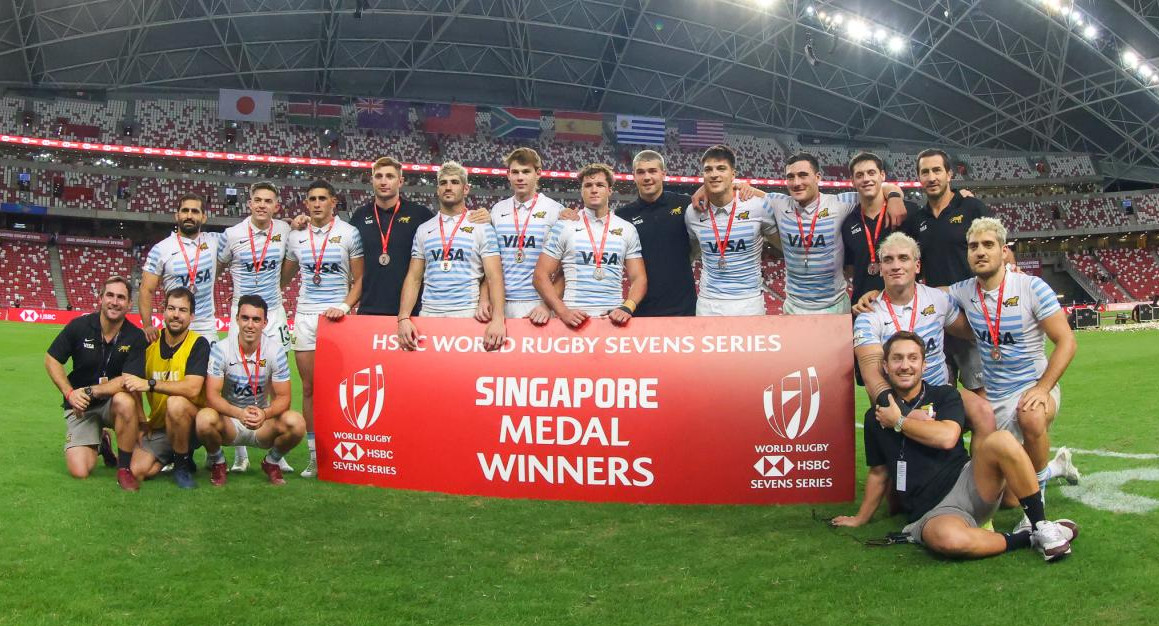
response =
{"points": [[607, 258]]}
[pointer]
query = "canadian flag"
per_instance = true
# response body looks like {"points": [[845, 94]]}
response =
{"points": [[244, 106]]}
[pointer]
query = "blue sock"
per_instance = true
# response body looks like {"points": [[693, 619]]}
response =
{"points": [[273, 456]]}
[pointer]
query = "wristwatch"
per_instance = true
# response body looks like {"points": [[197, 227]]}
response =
{"points": [[152, 383], [892, 194], [88, 391], [897, 425]]}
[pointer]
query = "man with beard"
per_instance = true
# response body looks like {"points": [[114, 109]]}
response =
{"points": [[103, 346], [175, 365], [387, 225], [187, 258], [448, 260]]}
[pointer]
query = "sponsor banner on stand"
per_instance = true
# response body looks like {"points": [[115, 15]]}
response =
{"points": [[743, 410], [57, 316]]}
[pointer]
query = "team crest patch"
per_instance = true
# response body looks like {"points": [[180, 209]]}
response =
{"points": [[619, 232], [823, 213], [468, 229], [677, 211], [276, 238], [928, 310], [404, 220], [1010, 301], [262, 363], [539, 215], [337, 239], [957, 219], [203, 246], [929, 409], [742, 216], [122, 348]]}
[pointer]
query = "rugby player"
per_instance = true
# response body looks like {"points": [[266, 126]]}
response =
{"points": [[929, 313], [248, 396], [946, 494], [595, 253], [521, 223], [1011, 315], [328, 257], [175, 365], [448, 260], [102, 345], [865, 228], [253, 250], [729, 237], [387, 225], [187, 258]]}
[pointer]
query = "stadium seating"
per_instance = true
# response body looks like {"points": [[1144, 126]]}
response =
{"points": [[1147, 208], [1094, 213], [179, 123], [55, 116], [85, 266], [982, 167], [1089, 266], [25, 275], [1070, 165], [1136, 270], [1029, 216], [159, 195]]}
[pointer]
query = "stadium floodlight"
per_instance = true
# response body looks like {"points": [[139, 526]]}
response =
{"points": [[1090, 32], [880, 35], [896, 44], [857, 30], [838, 19], [810, 10], [1130, 59], [1146, 71]]}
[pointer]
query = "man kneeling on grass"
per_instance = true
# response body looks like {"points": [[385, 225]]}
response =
{"points": [[946, 494], [241, 409]]}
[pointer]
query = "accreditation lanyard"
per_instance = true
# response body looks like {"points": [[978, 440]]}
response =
{"points": [[390, 226], [314, 254], [190, 267], [254, 380], [258, 261], [721, 245], [913, 317], [598, 252]]}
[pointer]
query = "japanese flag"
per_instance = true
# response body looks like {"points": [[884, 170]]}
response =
{"points": [[244, 106]]}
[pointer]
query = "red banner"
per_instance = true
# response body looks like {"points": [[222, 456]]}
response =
{"points": [[105, 242], [18, 235], [742, 410]]}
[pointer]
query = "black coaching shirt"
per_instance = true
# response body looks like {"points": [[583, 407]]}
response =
{"points": [[92, 358], [382, 285], [930, 472], [667, 254], [943, 239], [857, 246]]}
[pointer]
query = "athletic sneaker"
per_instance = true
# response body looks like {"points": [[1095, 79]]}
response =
{"points": [[106, 449], [274, 472], [1023, 525], [1050, 538], [241, 464], [217, 474], [1063, 467], [312, 469], [184, 478], [126, 480], [1070, 530], [286, 467]]}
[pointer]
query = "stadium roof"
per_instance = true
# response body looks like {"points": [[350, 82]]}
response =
{"points": [[998, 74]]}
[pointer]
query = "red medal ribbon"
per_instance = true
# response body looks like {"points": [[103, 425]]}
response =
{"points": [[913, 318], [254, 381], [808, 243], [994, 330], [254, 251], [515, 216], [192, 268], [386, 239], [313, 254], [443, 236], [876, 235], [599, 254], [727, 231]]}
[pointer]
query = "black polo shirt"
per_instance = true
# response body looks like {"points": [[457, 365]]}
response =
{"points": [[930, 472], [857, 246], [667, 250], [943, 239], [92, 358], [382, 285]]}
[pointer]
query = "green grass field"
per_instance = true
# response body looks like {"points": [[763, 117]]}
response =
{"points": [[83, 552]]}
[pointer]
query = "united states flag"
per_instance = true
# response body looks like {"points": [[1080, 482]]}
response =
{"points": [[697, 134]]}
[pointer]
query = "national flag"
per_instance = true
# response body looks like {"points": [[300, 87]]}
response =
{"points": [[575, 126], [244, 105], [638, 129], [513, 123], [323, 112], [449, 119], [697, 134], [384, 114]]}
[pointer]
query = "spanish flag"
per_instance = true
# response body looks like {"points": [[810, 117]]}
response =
{"points": [[574, 126]]}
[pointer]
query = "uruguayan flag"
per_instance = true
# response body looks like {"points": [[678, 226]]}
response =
{"points": [[636, 129]]}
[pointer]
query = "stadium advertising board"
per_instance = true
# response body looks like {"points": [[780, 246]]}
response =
{"points": [[104, 242], [58, 316], [743, 410]]}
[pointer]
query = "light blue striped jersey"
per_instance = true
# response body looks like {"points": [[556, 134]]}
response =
{"points": [[225, 362], [517, 276], [166, 261], [457, 289], [741, 276], [236, 254], [342, 244], [936, 311], [819, 283], [570, 244], [1026, 300]]}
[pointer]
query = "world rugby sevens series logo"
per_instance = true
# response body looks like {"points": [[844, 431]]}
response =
{"points": [[792, 409], [360, 396]]}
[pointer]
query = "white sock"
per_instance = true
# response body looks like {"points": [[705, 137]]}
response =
{"points": [[310, 445], [1043, 477], [240, 453]]}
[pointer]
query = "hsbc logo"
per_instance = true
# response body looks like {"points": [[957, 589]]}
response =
{"points": [[360, 396], [773, 466], [220, 324], [29, 315], [791, 408], [349, 451]]}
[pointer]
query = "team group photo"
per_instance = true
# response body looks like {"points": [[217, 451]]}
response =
{"points": [[497, 341]]}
